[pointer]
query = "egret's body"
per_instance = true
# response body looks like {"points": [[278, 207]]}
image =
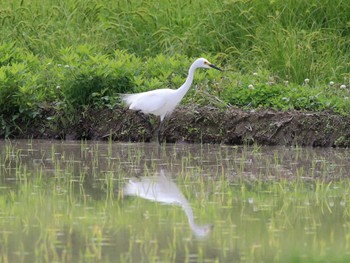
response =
{"points": [[162, 102]]}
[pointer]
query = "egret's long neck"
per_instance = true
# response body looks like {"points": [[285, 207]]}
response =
{"points": [[185, 87]]}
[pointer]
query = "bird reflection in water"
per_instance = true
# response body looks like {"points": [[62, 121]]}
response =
{"points": [[161, 189]]}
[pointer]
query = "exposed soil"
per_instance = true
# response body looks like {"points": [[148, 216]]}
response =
{"points": [[205, 125]]}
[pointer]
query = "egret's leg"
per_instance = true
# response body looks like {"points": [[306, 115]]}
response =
{"points": [[159, 132], [145, 118]]}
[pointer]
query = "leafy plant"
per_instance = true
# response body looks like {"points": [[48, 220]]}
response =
{"points": [[23, 94]]}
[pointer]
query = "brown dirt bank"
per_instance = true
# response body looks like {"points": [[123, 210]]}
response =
{"points": [[205, 125]]}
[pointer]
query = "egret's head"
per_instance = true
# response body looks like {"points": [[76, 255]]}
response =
{"points": [[204, 63]]}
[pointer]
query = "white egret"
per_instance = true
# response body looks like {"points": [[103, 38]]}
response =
{"points": [[162, 102]]}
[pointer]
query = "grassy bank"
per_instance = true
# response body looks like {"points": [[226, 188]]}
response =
{"points": [[77, 54]]}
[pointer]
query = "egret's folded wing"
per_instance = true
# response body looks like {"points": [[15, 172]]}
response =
{"points": [[146, 102]]}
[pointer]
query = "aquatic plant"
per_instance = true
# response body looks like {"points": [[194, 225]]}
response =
{"points": [[68, 202]]}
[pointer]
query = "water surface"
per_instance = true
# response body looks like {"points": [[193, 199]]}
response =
{"points": [[134, 202]]}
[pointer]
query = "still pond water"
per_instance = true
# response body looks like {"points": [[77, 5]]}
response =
{"points": [[133, 202]]}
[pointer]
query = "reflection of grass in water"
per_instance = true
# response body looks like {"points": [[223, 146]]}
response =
{"points": [[68, 206]]}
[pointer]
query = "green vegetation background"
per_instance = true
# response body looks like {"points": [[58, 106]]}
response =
{"points": [[70, 55]]}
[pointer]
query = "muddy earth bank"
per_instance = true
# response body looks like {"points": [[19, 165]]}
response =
{"points": [[195, 124]]}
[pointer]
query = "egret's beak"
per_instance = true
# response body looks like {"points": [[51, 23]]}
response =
{"points": [[213, 66]]}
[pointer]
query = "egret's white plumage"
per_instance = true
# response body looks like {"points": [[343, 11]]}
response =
{"points": [[162, 102]]}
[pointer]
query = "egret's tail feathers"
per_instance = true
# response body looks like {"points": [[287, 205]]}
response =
{"points": [[127, 98]]}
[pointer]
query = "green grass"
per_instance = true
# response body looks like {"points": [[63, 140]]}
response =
{"points": [[295, 38], [78, 54]]}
